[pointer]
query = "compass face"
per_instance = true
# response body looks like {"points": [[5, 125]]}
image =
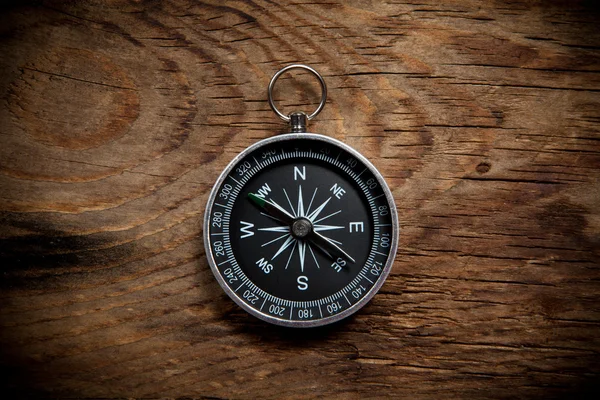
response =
{"points": [[301, 230]]}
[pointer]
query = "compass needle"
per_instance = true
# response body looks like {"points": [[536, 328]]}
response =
{"points": [[330, 245], [259, 201], [272, 209], [300, 229], [334, 241], [279, 208], [272, 217]]}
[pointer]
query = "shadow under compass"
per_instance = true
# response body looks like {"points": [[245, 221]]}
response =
{"points": [[291, 337]]}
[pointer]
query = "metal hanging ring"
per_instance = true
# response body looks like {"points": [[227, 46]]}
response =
{"points": [[309, 69]]}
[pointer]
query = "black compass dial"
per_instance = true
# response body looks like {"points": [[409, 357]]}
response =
{"points": [[301, 230], [306, 188]]}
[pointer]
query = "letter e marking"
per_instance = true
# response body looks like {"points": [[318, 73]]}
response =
{"points": [[355, 226]]}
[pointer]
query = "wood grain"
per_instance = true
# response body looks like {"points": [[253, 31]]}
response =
{"points": [[117, 117]]}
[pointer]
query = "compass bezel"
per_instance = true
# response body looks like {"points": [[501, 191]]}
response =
{"points": [[312, 322]]}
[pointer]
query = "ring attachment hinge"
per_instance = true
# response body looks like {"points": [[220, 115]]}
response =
{"points": [[298, 122]]}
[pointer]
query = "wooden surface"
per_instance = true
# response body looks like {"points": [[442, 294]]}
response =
{"points": [[117, 117]]}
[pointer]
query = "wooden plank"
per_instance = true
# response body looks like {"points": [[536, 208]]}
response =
{"points": [[118, 117]]}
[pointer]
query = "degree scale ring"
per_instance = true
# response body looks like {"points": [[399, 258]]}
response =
{"points": [[297, 66]]}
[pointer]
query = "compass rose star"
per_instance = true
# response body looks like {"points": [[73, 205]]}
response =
{"points": [[294, 240], [317, 211], [301, 253], [300, 212], [285, 245]]}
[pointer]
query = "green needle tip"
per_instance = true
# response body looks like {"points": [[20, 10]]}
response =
{"points": [[257, 200]]}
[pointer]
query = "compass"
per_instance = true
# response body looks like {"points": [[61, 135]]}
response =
{"points": [[300, 229]]}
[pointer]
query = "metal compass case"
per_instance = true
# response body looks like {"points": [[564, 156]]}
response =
{"points": [[300, 229]]}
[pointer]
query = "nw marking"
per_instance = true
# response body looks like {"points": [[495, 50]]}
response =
{"points": [[263, 192]]}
